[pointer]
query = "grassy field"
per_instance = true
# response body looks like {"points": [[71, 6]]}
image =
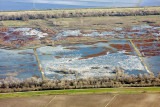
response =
{"points": [[86, 22], [83, 22], [54, 11], [103, 22], [135, 90]]}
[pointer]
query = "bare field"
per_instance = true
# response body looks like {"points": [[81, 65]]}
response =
{"points": [[26, 102], [101, 100], [80, 101], [136, 100]]}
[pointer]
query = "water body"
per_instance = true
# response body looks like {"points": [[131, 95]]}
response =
{"points": [[21, 64], [87, 61], [11, 5]]}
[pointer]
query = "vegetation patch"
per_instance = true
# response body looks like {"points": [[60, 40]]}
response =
{"points": [[83, 91]]}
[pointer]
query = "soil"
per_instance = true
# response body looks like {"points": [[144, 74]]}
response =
{"points": [[136, 100], [101, 100]]}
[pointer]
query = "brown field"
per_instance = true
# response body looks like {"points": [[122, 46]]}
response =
{"points": [[101, 100], [136, 100], [103, 22]]}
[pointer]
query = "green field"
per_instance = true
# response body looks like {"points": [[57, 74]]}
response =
{"points": [[135, 90]]}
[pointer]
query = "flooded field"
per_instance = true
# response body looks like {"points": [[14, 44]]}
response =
{"points": [[31, 37], [89, 60], [20, 37], [70, 54], [150, 50], [21, 64], [137, 32]]}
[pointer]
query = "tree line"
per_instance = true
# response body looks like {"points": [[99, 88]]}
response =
{"points": [[120, 79], [65, 14]]}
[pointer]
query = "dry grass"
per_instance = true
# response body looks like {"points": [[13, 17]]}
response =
{"points": [[129, 9], [86, 22], [15, 23], [82, 22], [69, 13]]}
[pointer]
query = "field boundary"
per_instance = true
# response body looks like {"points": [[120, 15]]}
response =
{"points": [[111, 100], [50, 101], [39, 64], [127, 39], [138, 53]]}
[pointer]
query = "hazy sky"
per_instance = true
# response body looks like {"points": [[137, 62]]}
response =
{"points": [[126, 1], [93, 2], [150, 3], [59, 4], [81, 2]]}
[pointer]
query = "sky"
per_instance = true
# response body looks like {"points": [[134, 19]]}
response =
{"points": [[150, 3], [81, 2], [6, 5]]}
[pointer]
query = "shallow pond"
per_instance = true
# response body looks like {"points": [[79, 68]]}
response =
{"points": [[150, 50], [89, 60], [21, 64], [144, 31]]}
